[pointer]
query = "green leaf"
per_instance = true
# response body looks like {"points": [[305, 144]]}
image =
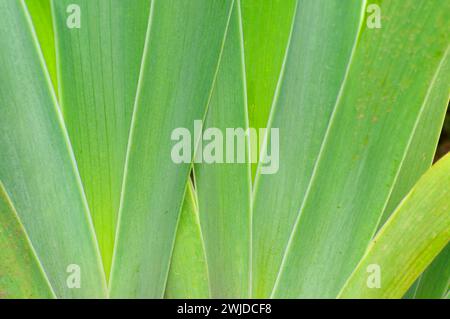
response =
{"points": [[388, 83], [317, 58], [266, 27], [41, 14], [21, 274], [417, 231], [412, 290], [223, 179], [98, 68], [37, 165], [435, 281], [188, 274], [358, 112], [422, 148], [183, 46], [421, 151]]}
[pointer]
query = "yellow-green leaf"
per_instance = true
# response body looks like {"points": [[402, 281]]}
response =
{"points": [[416, 232], [98, 71], [188, 274]]}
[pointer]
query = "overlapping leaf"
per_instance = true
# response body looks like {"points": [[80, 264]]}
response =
{"points": [[266, 27], [358, 111], [184, 41], [365, 146], [417, 231], [21, 274], [316, 62], [223, 179], [37, 164], [188, 275], [435, 281], [41, 14], [98, 67]]}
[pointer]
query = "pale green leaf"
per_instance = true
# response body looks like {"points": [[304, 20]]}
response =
{"points": [[188, 274], [223, 179], [37, 165], [420, 154], [266, 27], [317, 58], [385, 92], [41, 14], [21, 274], [358, 112], [422, 148], [183, 46], [417, 231], [98, 68]]}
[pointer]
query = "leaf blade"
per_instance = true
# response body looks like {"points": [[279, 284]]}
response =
{"points": [[266, 30], [41, 14], [342, 211], [420, 229], [223, 183], [38, 167], [186, 66], [98, 67], [188, 275], [21, 274], [434, 283], [307, 91]]}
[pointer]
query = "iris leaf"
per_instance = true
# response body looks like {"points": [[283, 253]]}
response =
{"points": [[416, 232], [21, 274], [98, 70], [183, 45], [38, 166]]}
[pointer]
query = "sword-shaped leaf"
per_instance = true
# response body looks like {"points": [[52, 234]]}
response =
{"points": [[188, 274], [37, 165], [183, 45], [21, 273], [266, 26], [223, 179], [392, 72], [422, 148], [99, 47], [434, 283], [417, 231], [41, 14], [318, 55], [419, 157]]}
